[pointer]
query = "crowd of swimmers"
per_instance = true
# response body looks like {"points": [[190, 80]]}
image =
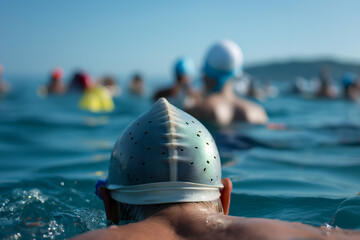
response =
{"points": [[323, 87], [227, 92]]}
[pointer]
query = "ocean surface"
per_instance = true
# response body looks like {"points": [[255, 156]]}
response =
{"points": [[305, 167]]}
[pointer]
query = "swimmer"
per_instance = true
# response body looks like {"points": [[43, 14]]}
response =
{"points": [[3, 86], [255, 92], [326, 90], [220, 104], [94, 98], [56, 86], [80, 82], [137, 85], [110, 84], [165, 182], [351, 87], [181, 94]]}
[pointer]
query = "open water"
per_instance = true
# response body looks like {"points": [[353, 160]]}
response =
{"points": [[51, 154]]}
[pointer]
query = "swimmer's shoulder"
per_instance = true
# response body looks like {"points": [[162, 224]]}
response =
{"points": [[249, 111], [112, 232], [203, 110], [141, 230], [261, 228]]}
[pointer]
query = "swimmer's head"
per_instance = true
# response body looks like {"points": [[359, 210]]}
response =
{"points": [[108, 81], [223, 61], [348, 79], [81, 81], [184, 68], [57, 74], [164, 156]]}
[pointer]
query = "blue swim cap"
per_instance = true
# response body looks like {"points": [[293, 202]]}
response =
{"points": [[184, 66], [223, 62], [348, 79]]}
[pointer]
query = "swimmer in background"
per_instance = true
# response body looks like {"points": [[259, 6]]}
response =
{"points": [[94, 98], [181, 94], [4, 88], [326, 90], [269, 89], [255, 92], [351, 87], [220, 104], [160, 186], [56, 86], [80, 82], [110, 84], [136, 86]]}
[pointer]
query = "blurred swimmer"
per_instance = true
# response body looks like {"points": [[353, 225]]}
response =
{"points": [[254, 91], [56, 86], [110, 84], [326, 90], [165, 182], [351, 87], [181, 94], [97, 99], [94, 98], [4, 88], [221, 105], [80, 82], [270, 89], [137, 85]]}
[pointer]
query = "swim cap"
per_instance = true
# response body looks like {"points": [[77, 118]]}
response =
{"points": [[164, 156], [81, 81], [57, 73], [348, 79], [223, 61], [184, 66]]}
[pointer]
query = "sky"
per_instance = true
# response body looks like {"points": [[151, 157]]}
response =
{"points": [[123, 37]]}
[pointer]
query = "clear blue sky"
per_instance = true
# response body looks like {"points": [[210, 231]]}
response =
{"points": [[120, 37]]}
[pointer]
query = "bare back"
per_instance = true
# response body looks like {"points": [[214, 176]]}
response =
{"points": [[225, 107], [210, 225]]}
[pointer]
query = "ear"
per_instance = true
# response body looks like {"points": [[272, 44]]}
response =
{"points": [[109, 204], [226, 195]]}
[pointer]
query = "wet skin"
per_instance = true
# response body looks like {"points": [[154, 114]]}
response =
{"points": [[192, 221]]}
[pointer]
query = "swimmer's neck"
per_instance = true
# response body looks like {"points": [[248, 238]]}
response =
{"points": [[188, 219]]}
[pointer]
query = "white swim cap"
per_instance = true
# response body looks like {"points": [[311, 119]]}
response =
{"points": [[223, 61], [165, 156]]}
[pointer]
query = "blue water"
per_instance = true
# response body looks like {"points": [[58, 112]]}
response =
{"points": [[52, 153]]}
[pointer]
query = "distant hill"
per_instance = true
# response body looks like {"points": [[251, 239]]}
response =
{"points": [[308, 69]]}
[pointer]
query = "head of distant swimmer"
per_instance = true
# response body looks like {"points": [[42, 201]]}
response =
{"points": [[80, 81], [184, 70], [137, 77], [222, 63], [56, 75], [165, 158]]}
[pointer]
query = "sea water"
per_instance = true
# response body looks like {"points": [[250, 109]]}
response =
{"points": [[305, 168]]}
